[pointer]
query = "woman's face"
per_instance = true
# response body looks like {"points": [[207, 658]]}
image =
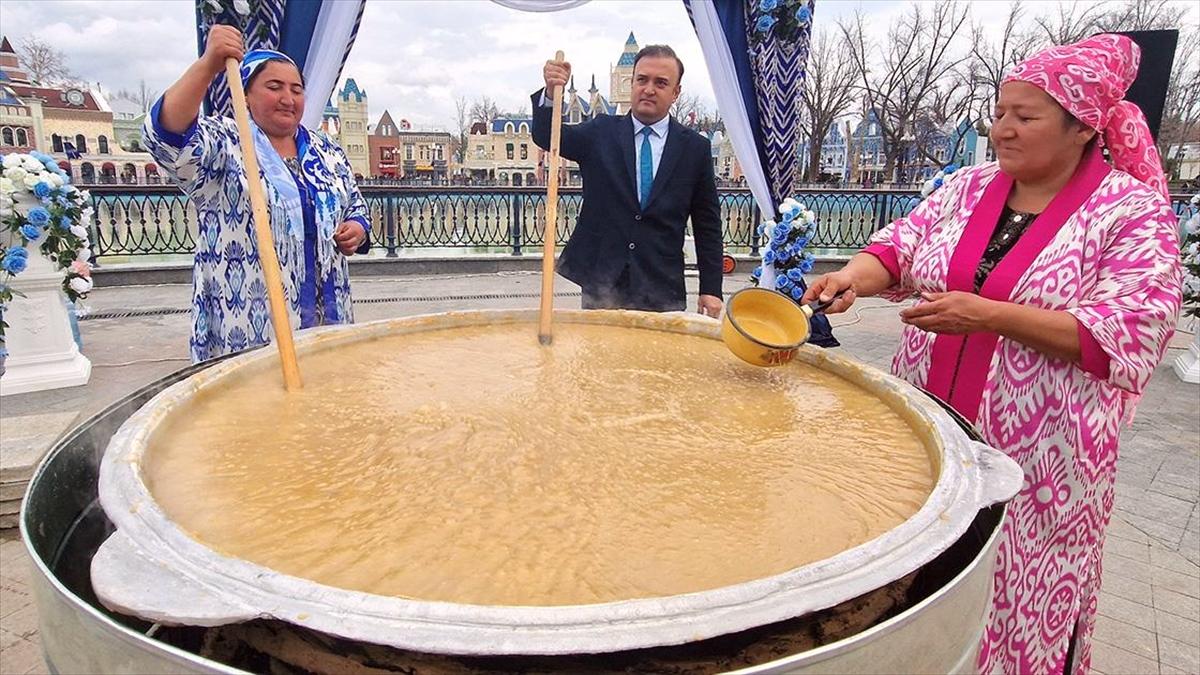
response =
{"points": [[276, 99], [1033, 136]]}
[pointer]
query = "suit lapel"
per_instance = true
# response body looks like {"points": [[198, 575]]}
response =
{"points": [[670, 157], [626, 127]]}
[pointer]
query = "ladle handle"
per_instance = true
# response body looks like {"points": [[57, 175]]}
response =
{"points": [[822, 305]]}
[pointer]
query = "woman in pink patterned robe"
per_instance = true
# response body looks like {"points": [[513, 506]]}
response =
{"points": [[1049, 285]]}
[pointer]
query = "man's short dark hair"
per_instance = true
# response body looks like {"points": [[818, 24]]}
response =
{"points": [[660, 51]]}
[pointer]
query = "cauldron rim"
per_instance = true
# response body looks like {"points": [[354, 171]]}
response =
{"points": [[195, 585]]}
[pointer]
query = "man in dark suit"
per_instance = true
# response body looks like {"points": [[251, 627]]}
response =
{"points": [[644, 175]]}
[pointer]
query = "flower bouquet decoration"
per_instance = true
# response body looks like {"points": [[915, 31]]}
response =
{"points": [[1190, 247], [41, 214], [937, 180], [785, 260], [783, 20]]}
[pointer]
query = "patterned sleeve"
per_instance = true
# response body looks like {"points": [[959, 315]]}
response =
{"points": [[192, 157], [1128, 315], [896, 245]]}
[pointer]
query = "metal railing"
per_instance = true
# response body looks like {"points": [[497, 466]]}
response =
{"points": [[160, 220]]}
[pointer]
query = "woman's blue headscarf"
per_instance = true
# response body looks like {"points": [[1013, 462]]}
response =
{"points": [[269, 161], [257, 58]]}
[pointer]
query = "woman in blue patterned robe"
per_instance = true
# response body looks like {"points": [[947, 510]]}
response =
{"points": [[318, 217]]}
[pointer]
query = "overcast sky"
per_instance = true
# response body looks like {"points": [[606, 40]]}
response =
{"points": [[415, 57]]}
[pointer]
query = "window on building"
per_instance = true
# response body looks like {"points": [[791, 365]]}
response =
{"points": [[22, 137], [479, 151], [6, 136], [408, 152], [102, 144], [56, 143], [524, 151], [80, 143], [440, 156], [508, 147]]}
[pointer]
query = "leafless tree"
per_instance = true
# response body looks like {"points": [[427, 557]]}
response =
{"points": [[1142, 15], [991, 60], [829, 93], [912, 68], [1181, 111], [687, 109], [462, 127], [1069, 22], [144, 96], [45, 64], [484, 109]]}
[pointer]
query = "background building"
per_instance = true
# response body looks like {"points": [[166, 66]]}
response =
{"points": [[400, 152], [74, 124]]}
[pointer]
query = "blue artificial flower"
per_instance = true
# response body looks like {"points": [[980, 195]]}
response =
{"points": [[3, 352], [782, 283], [795, 275], [788, 216], [767, 5], [803, 15], [18, 251], [768, 257], [765, 23], [950, 168], [797, 293], [806, 264], [937, 182], [762, 227], [38, 216], [40, 156], [14, 264], [783, 229], [31, 232], [757, 272], [42, 190], [64, 223]]}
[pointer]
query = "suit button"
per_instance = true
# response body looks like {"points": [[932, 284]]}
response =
{"points": [[632, 246], [638, 217]]}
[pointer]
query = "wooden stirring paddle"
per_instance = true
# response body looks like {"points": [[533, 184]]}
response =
{"points": [[545, 335]]}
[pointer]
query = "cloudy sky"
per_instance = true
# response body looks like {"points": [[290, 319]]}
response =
{"points": [[413, 57]]}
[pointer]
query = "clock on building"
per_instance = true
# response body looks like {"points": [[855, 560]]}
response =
{"points": [[74, 97]]}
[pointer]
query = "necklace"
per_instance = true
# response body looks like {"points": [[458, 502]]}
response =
{"points": [[293, 164]]}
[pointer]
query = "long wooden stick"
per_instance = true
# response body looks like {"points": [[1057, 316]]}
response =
{"points": [[545, 336], [262, 231]]}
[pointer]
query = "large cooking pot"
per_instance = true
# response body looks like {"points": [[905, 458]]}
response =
{"points": [[152, 569]]}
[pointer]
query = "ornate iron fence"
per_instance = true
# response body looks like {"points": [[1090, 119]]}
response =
{"points": [[156, 220]]}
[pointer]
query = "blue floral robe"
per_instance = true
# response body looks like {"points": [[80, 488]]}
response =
{"points": [[229, 297]]}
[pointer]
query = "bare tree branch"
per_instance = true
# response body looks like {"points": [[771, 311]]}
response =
{"points": [[829, 93], [916, 63], [1070, 22], [144, 96], [45, 64]]}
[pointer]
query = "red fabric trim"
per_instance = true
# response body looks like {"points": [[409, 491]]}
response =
{"points": [[1093, 359], [886, 254]]}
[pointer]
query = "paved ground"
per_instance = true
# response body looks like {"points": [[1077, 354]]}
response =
{"points": [[1150, 601]]}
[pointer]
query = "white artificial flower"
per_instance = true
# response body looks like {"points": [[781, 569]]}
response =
{"points": [[85, 195], [12, 161], [5, 210], [1193, 250], [1196, 199], [83, 255], [1191, 285], [6, 186], [54, 180], [810, 216], [81, 285], [15, 173], [79, 231], [32, 180], [32, 165], [241, 7], [214, 5], [1192, 226], [86, 215]]}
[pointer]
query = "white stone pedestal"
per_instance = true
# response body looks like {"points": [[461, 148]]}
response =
{"points": [[1187, 365], [41, 350]]}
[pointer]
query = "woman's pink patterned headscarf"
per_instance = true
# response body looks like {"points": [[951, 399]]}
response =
{"points": [[1089, 79]]}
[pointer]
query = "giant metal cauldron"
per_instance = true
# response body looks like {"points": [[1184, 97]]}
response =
{"points": [[950, 545]]}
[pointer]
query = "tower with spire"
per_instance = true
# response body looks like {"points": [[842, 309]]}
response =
{"points": [[621, 77], [352, 126]]}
